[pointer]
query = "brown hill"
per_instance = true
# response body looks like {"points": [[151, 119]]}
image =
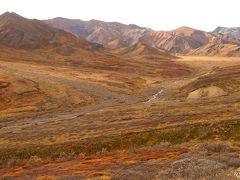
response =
{"points": [[109, 34], [19, 32], [215, 49], [180, 40], [220, 45], [188, 41], [142, 50]]}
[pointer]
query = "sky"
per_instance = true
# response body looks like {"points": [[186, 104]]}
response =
{"points": [[156, 14]]}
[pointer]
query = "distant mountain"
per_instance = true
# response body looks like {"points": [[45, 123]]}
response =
{"points": [[188, 41], [109, 34], [19, 32], [227, 31], [65, 36], [181, 40]]}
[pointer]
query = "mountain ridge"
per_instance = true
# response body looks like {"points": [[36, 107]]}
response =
{"points": [[22, 33], [66, 34], [109, 34], [180, 41]]}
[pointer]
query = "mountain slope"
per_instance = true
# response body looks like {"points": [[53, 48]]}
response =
{"points": [[180, 40], [227, 31], [142, 50], [109, 34], [22, 33], [34, 41], [183, 40], [188, 41], [213, 49]]}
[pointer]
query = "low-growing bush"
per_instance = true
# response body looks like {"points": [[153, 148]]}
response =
{"points": [[216, 147], [34, 160], [193, 168], [134, 141], [13, 162], [66, 156]]}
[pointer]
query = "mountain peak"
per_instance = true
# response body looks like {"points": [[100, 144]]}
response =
{"points": [[6, 13], [184, 30], [11, 18], [10, 15], [22, 33]]}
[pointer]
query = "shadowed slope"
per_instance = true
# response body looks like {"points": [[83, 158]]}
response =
{"points": [[19, 32]]}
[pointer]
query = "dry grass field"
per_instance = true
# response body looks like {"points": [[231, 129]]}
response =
{"points": [[73, 122]]}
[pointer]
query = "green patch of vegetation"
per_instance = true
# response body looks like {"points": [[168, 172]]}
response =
{"points": [[200, 132]]}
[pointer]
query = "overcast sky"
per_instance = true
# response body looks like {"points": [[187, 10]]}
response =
{"points": [[156, 14]]}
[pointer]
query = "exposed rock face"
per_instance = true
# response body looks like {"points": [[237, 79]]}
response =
{"points": [[227, 31], [208, 92]]}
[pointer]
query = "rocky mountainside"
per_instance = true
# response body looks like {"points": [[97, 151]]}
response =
{"points": [[109, 34], [188, 41], [67, 35], [181, 40], [227, 31]]}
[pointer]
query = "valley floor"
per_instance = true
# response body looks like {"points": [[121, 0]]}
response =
{"points": [[60, 122]]}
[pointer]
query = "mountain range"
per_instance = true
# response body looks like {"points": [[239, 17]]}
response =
{"points": [[19, 32], [110, 34], [183, 41], [66, 36], [32, 40]]}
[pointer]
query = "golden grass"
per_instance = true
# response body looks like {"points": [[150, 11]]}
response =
{"points": [[59, 88], [208, 62]]}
